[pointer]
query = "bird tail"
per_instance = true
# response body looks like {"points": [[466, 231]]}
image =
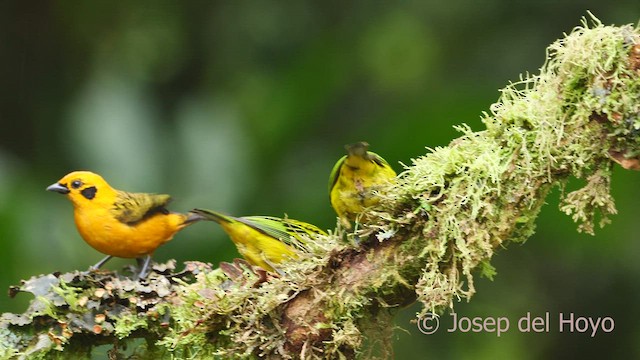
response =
{"points": [[192, 217], [204, 214], [358, 149]]}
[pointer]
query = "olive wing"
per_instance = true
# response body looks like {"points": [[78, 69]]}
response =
{"points": [[335, 172], [130, 208], [286, 230]]}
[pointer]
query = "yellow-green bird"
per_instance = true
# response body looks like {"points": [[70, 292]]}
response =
{"points": [[354, 180], [264, 241]]}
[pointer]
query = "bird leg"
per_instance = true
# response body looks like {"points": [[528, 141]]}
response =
{"points": [[278, 271], [100, 263], [143, 264]]}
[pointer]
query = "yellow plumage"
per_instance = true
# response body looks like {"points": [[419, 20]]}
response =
{"points": [[263, 240], [119, 223], [354, 180]]}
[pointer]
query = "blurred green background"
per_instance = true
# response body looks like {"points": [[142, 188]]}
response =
{"points": [[245, 107]]}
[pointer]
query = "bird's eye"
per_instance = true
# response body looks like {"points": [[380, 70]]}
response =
{"points": [[76, 184]]}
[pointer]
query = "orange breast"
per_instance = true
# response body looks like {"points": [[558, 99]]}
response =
{"points": [[109, 236]]}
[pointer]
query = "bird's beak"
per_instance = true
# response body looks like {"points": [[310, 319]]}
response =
{"points": [[57, 187]]}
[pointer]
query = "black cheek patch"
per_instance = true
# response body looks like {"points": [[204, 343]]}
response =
{"points": [[89, 192]]}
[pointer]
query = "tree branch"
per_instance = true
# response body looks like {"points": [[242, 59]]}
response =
{"points": [[443, 220]]}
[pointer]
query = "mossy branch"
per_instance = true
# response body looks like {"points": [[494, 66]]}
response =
{"points": [[449, 212]]}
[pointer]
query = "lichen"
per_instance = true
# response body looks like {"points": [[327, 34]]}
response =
{"points": [[79, 310]]}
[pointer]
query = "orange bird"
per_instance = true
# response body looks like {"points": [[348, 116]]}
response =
{"points": [[119, 223]]}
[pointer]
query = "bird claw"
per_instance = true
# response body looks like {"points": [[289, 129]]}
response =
{"points": [[99, 264]]}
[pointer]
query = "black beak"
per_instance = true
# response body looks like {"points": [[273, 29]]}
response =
{"points": [[57, 187]]}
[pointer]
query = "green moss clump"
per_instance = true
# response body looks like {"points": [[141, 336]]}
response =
{"points": [[486, 188]]}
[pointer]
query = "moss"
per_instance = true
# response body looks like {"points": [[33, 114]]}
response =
{"points": [[486, 188]]}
